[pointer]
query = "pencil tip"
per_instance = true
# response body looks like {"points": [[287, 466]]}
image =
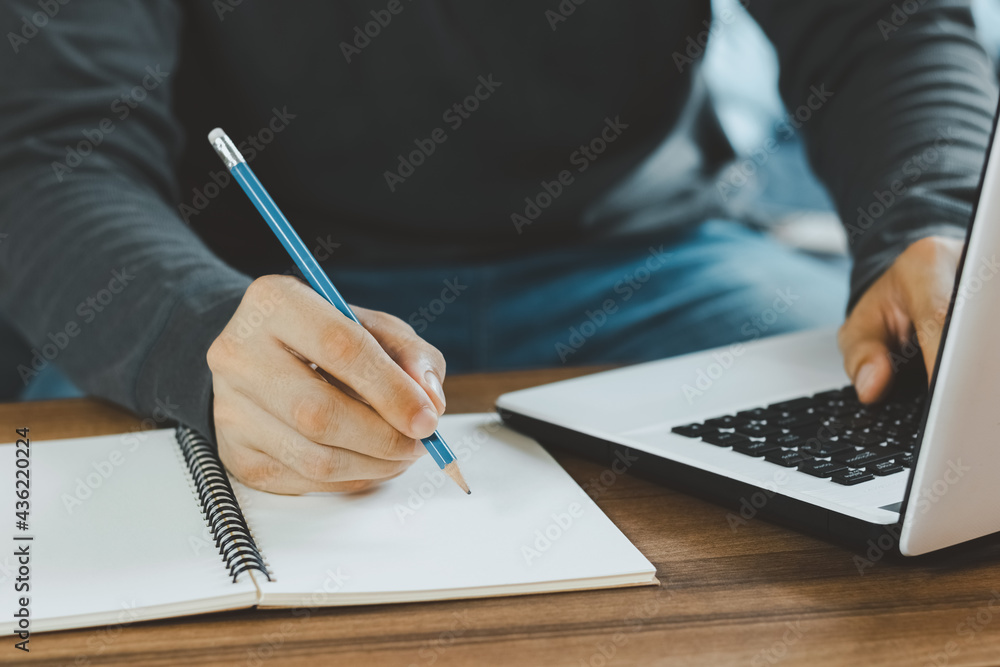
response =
{"points": [[456, 474]]}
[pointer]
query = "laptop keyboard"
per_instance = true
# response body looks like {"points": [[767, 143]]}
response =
{"points": [[830, 435]]}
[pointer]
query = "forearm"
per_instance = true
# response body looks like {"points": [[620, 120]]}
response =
{"points": [[104, 280], [99, 273], [901, 137]]}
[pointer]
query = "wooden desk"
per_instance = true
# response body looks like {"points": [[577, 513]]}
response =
{"points": [[757, 595]]}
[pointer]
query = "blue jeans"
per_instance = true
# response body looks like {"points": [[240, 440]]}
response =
{"points": [[611, 303]]}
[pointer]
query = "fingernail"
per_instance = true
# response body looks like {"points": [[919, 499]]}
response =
{"points": [[424, 423], [431, 378], [864, 379]]}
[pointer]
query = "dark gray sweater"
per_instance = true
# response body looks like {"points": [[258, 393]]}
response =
{"points": [[421, 130]]}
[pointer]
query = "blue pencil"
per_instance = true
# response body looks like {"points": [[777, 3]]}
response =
{"points": [[309, 267]]}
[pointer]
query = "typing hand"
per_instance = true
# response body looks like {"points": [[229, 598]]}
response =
{"points": [[906, 306], [285, 427]]}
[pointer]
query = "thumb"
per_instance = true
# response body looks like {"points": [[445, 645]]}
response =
{"points": [[864, 342], [927, 280], [929, 315]]}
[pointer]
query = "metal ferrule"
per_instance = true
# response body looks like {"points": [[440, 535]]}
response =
{"points": [[225, 147]]}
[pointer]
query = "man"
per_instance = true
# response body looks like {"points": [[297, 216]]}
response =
{"points": [[522, 183]]}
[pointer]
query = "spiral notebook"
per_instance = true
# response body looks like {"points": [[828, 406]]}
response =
{"points": [[148, 525]]}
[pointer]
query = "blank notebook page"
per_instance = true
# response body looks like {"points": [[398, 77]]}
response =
{"points": [[527, 527], [118, 535]]}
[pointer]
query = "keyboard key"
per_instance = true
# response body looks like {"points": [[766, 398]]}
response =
{"points": [[848, 393], [852, 477], [837, 410], [757, 430], [691, 430], [817, 435], [789, 439], [838, 424], [728, 421], [822, 469], [786, 458], [756, 448], [827, 449], [758, 414], [865, 439], [885, 468], [724, 439], [795, 421], [833, 393], [866, 457], [792, 405], [860, 423], [906, 460]]}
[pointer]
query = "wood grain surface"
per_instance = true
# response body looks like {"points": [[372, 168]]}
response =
{"points": [[755, 595]]}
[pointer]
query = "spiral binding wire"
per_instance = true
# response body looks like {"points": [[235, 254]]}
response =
{"points": [[219, 504]]}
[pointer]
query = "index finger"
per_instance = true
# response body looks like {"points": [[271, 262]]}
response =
{"points": [[307, 324]]}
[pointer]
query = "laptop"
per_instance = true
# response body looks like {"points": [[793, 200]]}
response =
{"points": [[773, 429]]}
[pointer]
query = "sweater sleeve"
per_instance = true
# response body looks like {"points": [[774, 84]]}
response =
{"points": [[895, 100], [97, 269]]}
